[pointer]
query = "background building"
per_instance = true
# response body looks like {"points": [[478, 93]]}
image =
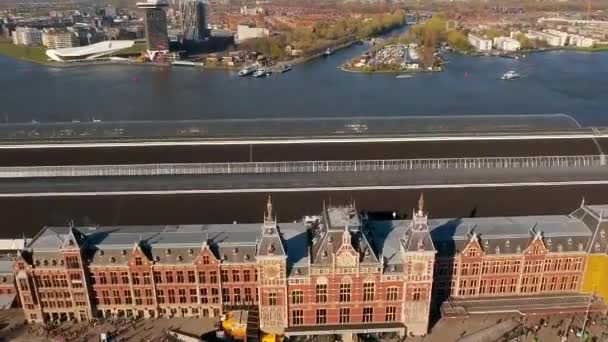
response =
{"points": [[60, 39], [193, 19], [506, 44], [244, 32], [155, 24], [27, 36], [479, 43]]}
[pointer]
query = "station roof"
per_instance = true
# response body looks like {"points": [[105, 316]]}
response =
{"points": [[302, 128]]}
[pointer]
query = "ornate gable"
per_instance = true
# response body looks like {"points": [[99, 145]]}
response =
{"points": [[537, 245], [206, 256], [473, 248], [73, 240], [138, 257], [346, 256]]}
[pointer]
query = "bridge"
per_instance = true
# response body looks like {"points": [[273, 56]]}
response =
{"points": [[305, 167]]}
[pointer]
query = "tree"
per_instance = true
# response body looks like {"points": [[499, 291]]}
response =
{"points": [[458, 40]]}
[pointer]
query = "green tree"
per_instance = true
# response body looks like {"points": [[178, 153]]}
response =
{"points": [[458, 40]]}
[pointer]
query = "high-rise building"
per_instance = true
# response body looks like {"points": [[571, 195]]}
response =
{"points": [[155, 23], [193, 19]]}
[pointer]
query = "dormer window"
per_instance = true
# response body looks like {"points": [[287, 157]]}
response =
{"points": [[603, 233], [597, 247], [101, 253], [157, 258], [569, 241], [247, 257], [560, 247], [331, 239], [549, 241], [179, 258], [518, 249], [190, 251], [4, 279], [393, 268], [45, 262], [298, 272], [70, 242], [324, 254], [235, 251], [54, 262], [367, 252], [61, 262], [486, 243], [497, 249], [168, 252], [507, 243], [112, 260], [271, 248], [37, 262], [580, 247], [123, 253], [224, 257]]}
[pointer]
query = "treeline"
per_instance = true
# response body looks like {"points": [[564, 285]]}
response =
{"points": [[435, 31], [306, 38], [311, 40]]}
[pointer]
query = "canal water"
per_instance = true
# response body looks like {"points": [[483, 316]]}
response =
{"points": [[552, 82]]}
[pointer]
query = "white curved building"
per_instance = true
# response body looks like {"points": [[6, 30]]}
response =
{"points": [[89, 52]]}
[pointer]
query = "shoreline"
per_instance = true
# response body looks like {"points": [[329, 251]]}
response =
{"points": [[396, 72]]}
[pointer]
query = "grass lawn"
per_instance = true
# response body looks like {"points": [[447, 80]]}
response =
{"points": [[28, 53], [137, 48], [594, 48]]}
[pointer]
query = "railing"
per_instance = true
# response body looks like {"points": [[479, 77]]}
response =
{"points": [[304, 166]]}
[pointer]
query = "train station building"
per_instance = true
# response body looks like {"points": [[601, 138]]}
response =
{"points": [[338, 273]]}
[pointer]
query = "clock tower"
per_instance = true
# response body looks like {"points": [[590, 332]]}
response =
{"points": [[272, 275], [418, 255]]}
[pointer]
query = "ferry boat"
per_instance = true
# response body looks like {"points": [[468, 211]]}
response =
{"points": [[260, 73], [510, 75], [246, 71], [285, 68]]}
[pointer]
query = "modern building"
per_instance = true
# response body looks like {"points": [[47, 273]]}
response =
{"points": [[580, 41], [60, 39], [551, 39], [480, 43], [336, 273], [29, 36], [155, 24], [244, 32], [257, 10], [193, 15], [89, 52], [506, 44]]}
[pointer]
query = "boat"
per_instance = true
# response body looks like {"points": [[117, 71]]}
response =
{"points": [[404, 76], [327, 52], [260, 73], [187, 64], [246, 71], [285, 68], [510, 75]]}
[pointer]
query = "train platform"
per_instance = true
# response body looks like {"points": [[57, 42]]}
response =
{"points": [[545, 305]]}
